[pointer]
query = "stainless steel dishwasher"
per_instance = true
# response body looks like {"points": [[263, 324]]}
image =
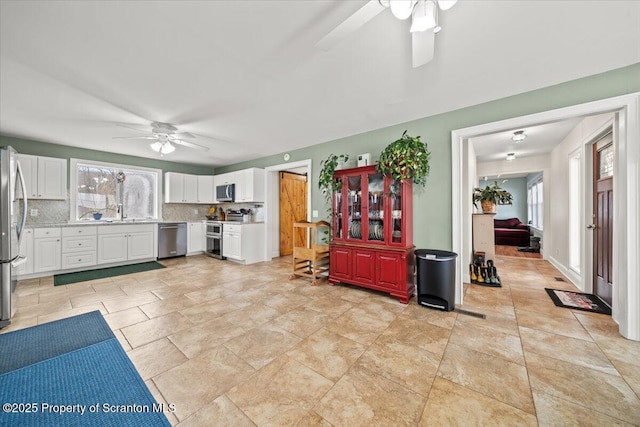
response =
{"points": [[172, 239]]}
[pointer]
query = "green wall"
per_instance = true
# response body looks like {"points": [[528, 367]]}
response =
{"points": [[432, 205], [25, 146], [518, 189]]}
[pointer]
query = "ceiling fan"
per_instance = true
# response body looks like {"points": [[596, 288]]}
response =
{"points": [[164, 135], [424, 24]]}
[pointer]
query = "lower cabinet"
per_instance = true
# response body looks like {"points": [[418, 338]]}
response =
{"points": [[55, 249], [117, 243], [387, 270], [243, 242], [79, 246], [196, 237], [46, 249]]}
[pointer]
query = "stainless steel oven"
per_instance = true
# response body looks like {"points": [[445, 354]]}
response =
{"points": [[214, 239]]}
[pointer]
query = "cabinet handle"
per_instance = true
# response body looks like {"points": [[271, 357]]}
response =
{"points": [[79, 259], [58, 240], [79, 244], [39, 195]]}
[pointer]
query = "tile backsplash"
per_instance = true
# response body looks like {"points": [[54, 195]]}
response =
{"points": [[57, 211]]}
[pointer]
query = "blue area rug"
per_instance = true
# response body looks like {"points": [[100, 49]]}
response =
{"points": [[83, 378]]}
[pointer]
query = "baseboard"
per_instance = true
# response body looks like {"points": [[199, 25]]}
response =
{"points": [[568, 273]]}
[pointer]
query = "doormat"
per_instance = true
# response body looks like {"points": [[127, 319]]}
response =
{"points": [[578, 301], [83, 276], [73, 372]]}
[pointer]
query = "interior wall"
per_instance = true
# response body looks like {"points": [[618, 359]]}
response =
{"points": [[557, 247], [433, 227], [37, 148], [518, 189]]}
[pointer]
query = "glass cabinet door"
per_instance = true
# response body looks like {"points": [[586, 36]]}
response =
{"points": [[395, 194], [354, 207], [337, 213], [376, 207]]}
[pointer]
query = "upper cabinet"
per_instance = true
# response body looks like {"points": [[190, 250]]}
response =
{"points": [[180, 188], [45, 177], [205, 189], [249, 184]]}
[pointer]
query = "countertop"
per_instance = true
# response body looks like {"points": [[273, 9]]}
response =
{"points": [[103, 222]]}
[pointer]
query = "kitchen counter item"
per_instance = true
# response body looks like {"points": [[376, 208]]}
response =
{"points": [[172, 239]]}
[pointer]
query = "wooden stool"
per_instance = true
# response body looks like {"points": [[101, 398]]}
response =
{"points": [[310, 259]]}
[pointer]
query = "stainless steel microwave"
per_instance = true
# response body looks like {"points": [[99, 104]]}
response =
{"points": [[225, 193]]}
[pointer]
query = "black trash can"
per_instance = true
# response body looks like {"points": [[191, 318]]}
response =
{"points": [[436, 278]]}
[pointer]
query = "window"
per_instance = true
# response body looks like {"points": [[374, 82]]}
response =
{"points": [[574, 211], [535, 202], [116, 191]]}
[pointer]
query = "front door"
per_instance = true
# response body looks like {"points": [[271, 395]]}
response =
{"points": [[603, 218], [293, 208]]}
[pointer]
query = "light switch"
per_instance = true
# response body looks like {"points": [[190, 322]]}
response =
{"points": [[314, 214]]}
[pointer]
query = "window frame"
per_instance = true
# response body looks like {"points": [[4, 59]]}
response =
{"points": [[73, 185], [535, 208]]}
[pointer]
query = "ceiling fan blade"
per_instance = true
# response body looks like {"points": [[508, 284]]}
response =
{"points": [[422, 46], [183, 135], [133, 126], [188, 144], [136, 137], [350, 25]]}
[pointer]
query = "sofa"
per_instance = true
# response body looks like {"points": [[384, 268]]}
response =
{"points": [[511, 232]]}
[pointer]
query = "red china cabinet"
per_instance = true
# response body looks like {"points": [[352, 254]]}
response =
{"points": [[372, 235]]}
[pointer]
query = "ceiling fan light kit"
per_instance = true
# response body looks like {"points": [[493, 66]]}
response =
{"points": [[424, 16], [163, 147], [424, 24]]}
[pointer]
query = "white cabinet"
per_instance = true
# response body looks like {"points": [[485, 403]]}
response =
{"points": [[232, 241], [205, 189], [197, 237], [79, 246], [250, 185], [185, 188], [46, 249], [45, 177], [117, 243], [243, 243], [180, 188], [26, 250], [483, 235]]}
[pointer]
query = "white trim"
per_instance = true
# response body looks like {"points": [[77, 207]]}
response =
{"points": [[568, 273], [73, 177], [626, 298], [272, 207]]}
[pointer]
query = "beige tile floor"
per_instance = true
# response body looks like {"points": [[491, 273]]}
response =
{"points": [[243, 345]]}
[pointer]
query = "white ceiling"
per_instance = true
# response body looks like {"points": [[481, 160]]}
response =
{"points": [[540, 139], [247, 75]]}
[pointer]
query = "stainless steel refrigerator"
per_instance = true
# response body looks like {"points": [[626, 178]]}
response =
{"points": [[11, 225]]}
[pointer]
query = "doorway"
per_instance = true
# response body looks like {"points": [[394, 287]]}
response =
{"points": [[602, 224], [272, 201], [293, 208], [626, 210]]}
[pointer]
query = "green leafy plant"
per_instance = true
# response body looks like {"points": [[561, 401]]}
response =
{"points": [[492, 193], [326, 183], [405, 159]]}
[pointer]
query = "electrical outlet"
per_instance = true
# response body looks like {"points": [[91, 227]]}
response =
{"points": [[314, 214], [195, 211], [34, 212]]}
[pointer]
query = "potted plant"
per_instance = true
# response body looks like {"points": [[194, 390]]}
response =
{"points": [[326, 183], [405, 159], [490, 196]]}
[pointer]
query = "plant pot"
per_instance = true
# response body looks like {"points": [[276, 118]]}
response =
{"points": [[97, 216], [488, 206]]}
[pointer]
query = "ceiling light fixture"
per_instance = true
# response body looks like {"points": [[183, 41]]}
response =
{"points": [[424, 16], [511, 156], [162, 147], [518, 136], [402, 9]]}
